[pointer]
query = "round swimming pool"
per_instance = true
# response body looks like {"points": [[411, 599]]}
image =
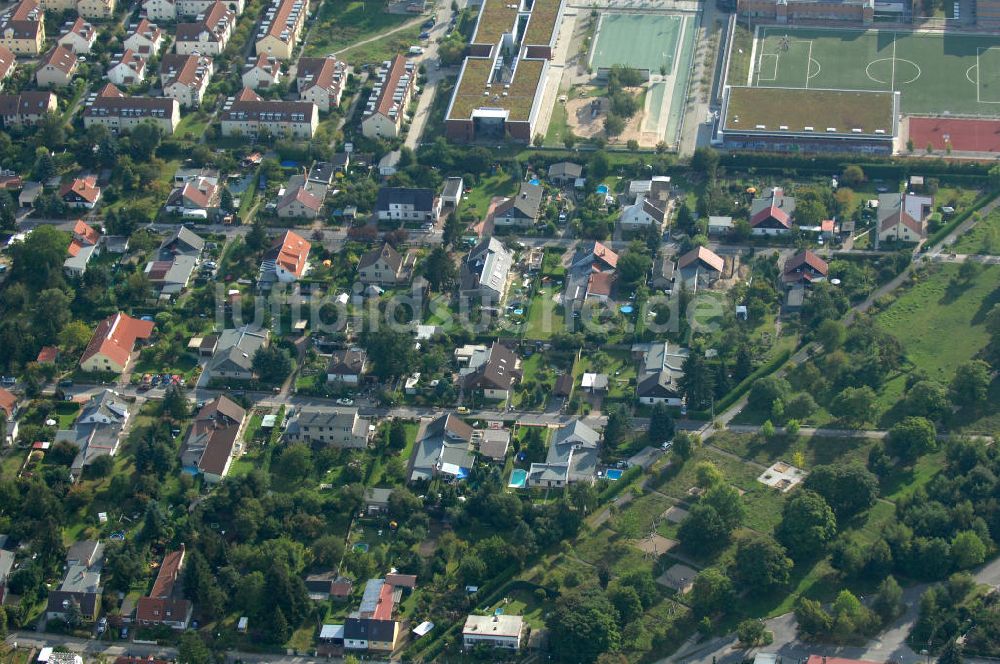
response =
{"points": [[535, 181], [625, 308]]}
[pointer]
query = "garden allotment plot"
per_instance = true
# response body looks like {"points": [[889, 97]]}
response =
{"points": [[934, 73]]}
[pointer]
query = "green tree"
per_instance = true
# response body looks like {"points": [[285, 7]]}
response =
{"points": [[226, 201], [583, 626], [661, 424], [598, 166], [703, 531], [295, 462], [807, 525], [711, 592], [970, 385], [952, 654], [911, 438], [144, 140], [967, 549], [8, 211], [888, 602], [927, 398], [439, 270], [37, 261], [256, 239], [766, 391], [175, 403], [727, 503], [849, 489], [626, 601], [392, 352], [812, 620], [750, 632], [705, 161], [761, 564], [272, 364], [634, 267], [831, 334], [853, 176], [855, 406], [397, 435], [684, 444]]}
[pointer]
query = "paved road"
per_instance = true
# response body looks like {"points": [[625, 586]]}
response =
{"points": [[434, 76]]}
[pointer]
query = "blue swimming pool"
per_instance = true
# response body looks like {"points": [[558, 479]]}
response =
{"points": [[614, 474], [518, 312], [625, 308], [602, 189], [535, 181], [518, 478]]}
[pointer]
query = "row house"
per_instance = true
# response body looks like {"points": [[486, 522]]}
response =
{"points": [[209, 34], [281, 28], [22, 28], [128, 68], [78, 37], [145, 38], [247, 114], [56, 68], [96, 9], [160, 10], [195, 7], [26, 109], [186, 77], [261, 72], [321, 81], [383, 115], [112, 109]]}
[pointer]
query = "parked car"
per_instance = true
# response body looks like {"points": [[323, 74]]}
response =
{"points": [[345, 402]]}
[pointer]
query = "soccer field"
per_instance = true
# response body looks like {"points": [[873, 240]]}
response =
{"points": [[935, 73], [643, 41]]}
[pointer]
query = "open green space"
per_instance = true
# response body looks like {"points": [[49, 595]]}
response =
{"points": [[341, 23], [983, 238], [934, 72]]}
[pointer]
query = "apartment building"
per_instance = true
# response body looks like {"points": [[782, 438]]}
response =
{"points": [[208, 34], [383, 116], [281, 28], [112, 109], [247, 114], [321, 81], [186, 78], [22, 28]]}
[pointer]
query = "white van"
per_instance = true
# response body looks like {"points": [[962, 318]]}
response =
{"points": [[195, 214]]}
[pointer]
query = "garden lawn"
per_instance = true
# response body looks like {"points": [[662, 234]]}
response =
{"points": [[619, 367], [814, 450], [478, 200], [940, 321], [521, 602], [545, 315], [983, 238], [341, 23]]}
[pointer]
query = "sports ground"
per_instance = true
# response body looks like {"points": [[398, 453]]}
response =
{"points": [[936, 74], [642, 41]]}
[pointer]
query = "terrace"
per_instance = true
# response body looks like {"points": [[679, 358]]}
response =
{"points": [[520, 95], [495, 19], [542, 23], [773, 110]]}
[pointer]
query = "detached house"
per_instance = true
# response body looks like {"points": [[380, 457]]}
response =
{"points": [[212, 443], [186, 77], [493, 373], [145, 38], [128, 68], [56, 68], [772, 214], [262, 72], [522, 210], [330, 427], [234, 352], [346, 366], [572, 457], [903, 217], [565, 173], [805, 268], [299, 203], [84, 246], [195, 194], [485, 271], [321, 81], [700, 267], [182, 242], [81, 587], [165, 604], [115, 337], [642, 214], [386, 107], [495, 631], [8, 413], [660, 373], [287, 259], [403, 205], [81, 192], [445, 448], [591, 275], [208, 34], [384, 266], [78, 37], [98, 430]]}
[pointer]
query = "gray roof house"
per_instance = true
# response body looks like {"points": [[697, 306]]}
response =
{"points": [[572, 457], [339, 428], [346, 366], [98, 429], [486, 269], [406, 204], [234, 352], [445, 448], [171, 276], [82, 583], [564, 172], [182, 242], [522, 209], [493, 373], [662, 368]]}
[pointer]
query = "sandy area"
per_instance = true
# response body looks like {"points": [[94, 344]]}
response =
{"points": [[658, 544]]}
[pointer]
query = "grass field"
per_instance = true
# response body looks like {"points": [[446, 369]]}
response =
{"points": [[643, 41], [342, 23], [941, 320], [983, 238], [935, 73]]}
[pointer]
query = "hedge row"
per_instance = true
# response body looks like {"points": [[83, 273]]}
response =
{"points": [[744, 386], [943, 232]]}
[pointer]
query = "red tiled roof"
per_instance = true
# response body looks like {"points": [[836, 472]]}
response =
{"points": [[771, 212], [600, 283], [396, 71], [807, 258], [85, 233], [323, 72], [6, 61], [61, 58], [605, 254], [704, 255], [383, 610], [115, 336], [7, 401], [292, 252], [86, 188], [301, 195], [47, 354]]}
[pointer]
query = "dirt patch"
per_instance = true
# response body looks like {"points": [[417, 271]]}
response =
{"points": [[585, 116], [656, 544], [675, 514]]}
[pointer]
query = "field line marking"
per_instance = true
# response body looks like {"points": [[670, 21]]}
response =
{"points": [[892, 79], [979, 76], [809, 60]]}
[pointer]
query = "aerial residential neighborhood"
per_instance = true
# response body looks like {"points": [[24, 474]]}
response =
{"points": [[612, 332]]}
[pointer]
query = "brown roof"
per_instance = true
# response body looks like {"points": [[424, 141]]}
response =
{"points": [[132, 59], [387, 253], [605, 254], [7, 401], [7, 61], [347, 362], [401, 580], [771, 212], [115, 336], [83, 29], [24, 19], [703, 255], [222, 406], [32, 102], [188, 70], [267, 63], [807, 258], [600, 283], [385, 100], [218, 449], [214, 20], [86, 188], [302, 195], [282, 21], [160, 609], [169, 573], [326, 73], [110, 101], [60, 58], [150, 31], [248, 105], [499, 372], [47, 354]]}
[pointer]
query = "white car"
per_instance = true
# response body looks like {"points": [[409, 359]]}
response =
{"points": [[345, 402]]}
